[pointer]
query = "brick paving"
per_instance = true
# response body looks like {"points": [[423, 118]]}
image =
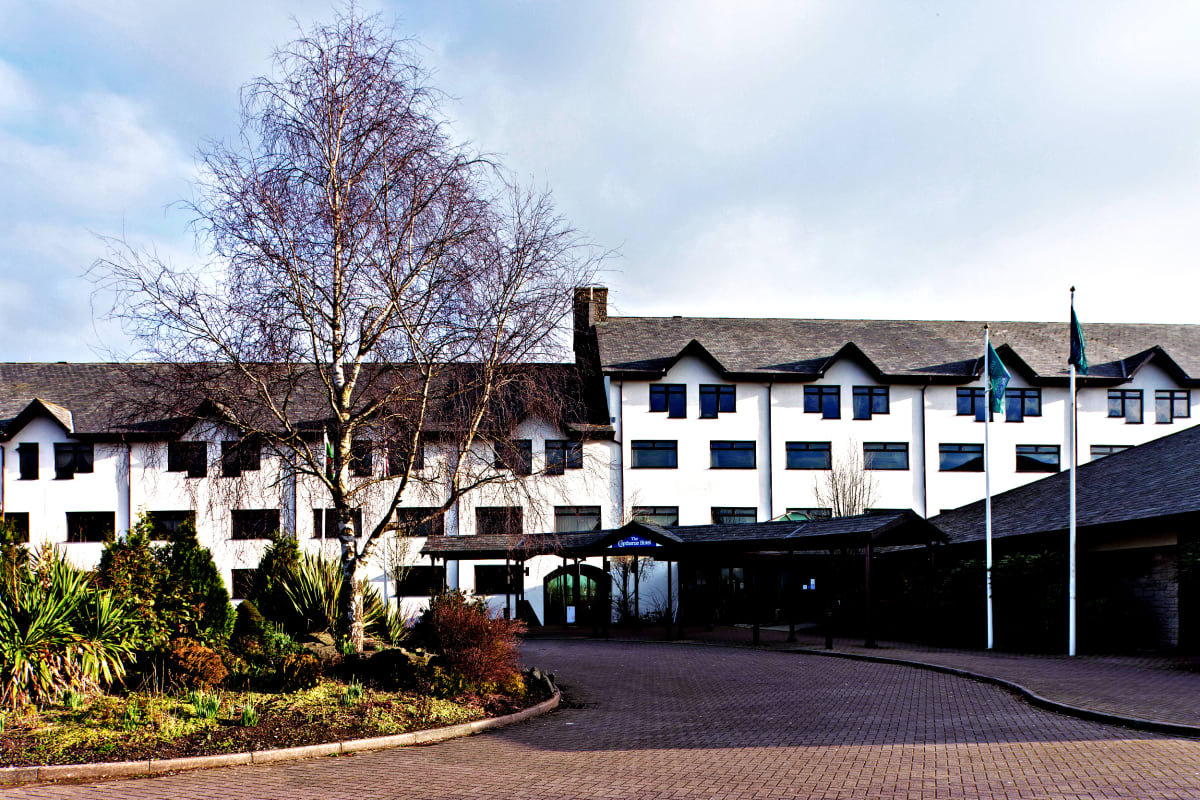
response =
{"points": [[664, 720]]}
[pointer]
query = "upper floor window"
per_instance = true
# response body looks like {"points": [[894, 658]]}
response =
{"points": [[823, 400], [653, 454], [18, 524], [1102, 450], [971, 403], [498, 521], [1172, 404], [90, 526], [731, 455], [885, 455], [253, 523], [669, 397], [717, 398], [27, 460], [1022, 403], [809, 455], [572, 519], [397, 457], [658, 515], [420, 521], [239, 456], [960, 457], [1038, 458], [189, 457], [516, 455], [809, 514], [870, 400], [362, 458], [734, 516], [1126, 403], [72, 457], [325, 524], [563, 455]]}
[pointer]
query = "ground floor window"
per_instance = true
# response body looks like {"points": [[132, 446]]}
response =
{"points": [[164, 525], [243, 583], [253, 523], [18, 523], [90, 526], [497, 578], [420, 581]]}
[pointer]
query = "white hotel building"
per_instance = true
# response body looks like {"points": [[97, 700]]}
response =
{"points": [[710, 421]]}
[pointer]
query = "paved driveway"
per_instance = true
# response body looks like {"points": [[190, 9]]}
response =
{"points": [[692, 721]]}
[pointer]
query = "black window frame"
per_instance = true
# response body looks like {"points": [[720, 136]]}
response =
{"points": [[420, 580], [816, 400], [71, 458], [734, 448], [1172, 398], [496, 579], [653, 446], [501, 521], [19, 521], [1022, 403], [1112, 449], [975, 402], [562, 455], [653, 515], [28, 458], [241, 582], [800, 448], [250, 524], [90, 526], [1027, 461], [734, 515], [188, 456], [1124, 399], [515, 455], [884, 448], [669, 398], [578, 513], [972, 449], [717, 399], [434, 523], [238, 456], [864, 400], [325, 523], [164, 524]]}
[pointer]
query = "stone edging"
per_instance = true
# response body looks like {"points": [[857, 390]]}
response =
{"points": [[1152, 725], [154, 766]]}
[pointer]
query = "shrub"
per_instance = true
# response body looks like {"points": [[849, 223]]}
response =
{"points": [[194, 601], [194, 665], [130, 567], [315, 591], [480, 648], [280, 560], [298, 671], [247, 628]]}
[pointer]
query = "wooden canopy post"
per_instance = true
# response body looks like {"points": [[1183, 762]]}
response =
{"points": [[791, 596], [566, 578], [670, 599], [870, 631], [607, 619], [637, 608], [754, 600], [507, 587]]}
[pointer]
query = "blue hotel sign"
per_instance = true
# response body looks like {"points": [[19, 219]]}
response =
{"points": [[635, 541]]}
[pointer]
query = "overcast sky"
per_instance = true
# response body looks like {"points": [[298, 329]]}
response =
{"points": [[841, 159]]}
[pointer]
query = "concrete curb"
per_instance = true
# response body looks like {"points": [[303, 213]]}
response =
{"points": [[1139, 723], [157, 766]]}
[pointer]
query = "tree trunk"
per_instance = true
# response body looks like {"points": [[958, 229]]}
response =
{"points": [[353, 628]]}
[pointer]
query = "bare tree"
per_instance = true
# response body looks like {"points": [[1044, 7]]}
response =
{"points": [[848, 488], [375, 287]]}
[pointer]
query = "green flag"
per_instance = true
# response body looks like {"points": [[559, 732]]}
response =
{"points": [[998, 378], [1078, 355]]}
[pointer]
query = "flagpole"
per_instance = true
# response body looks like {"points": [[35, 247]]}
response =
{"points": [[1071, 523], [987, 475]]}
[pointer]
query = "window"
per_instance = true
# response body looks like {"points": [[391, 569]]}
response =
{"points": [[885, 455], [960, 457], [361, 461], [809, 514], [498, 520], [1126, 403], [421, 582], [243, 583], [27, 458], [734, 516], [572, 519], [189, 457], [1038, 458], [497, 578], [164, 525], [90, 526], [823, 400], [242, 455], [971, 404], [515, 455], [72, 457], [808, 455], [1171, 404], [653, 454], [658, 515], [669, 397], [417, 521], [870, 400], [717, 398], [1022, 403], [18, 523], [731, 455], [397, 457], [254, 523], [1102, 450], [563, 455], [325, 525]]}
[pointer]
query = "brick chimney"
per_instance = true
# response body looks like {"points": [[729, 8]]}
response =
{"points": [[591, 306]]}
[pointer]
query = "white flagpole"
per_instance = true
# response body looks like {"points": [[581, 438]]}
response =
{"points": [[1071, 524], [987, 475]]}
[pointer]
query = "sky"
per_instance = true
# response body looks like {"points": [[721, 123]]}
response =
{"points": [[931, 160]]}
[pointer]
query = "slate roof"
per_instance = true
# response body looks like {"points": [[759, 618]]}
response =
{"points": [[898, 350], [1158, 479]]}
